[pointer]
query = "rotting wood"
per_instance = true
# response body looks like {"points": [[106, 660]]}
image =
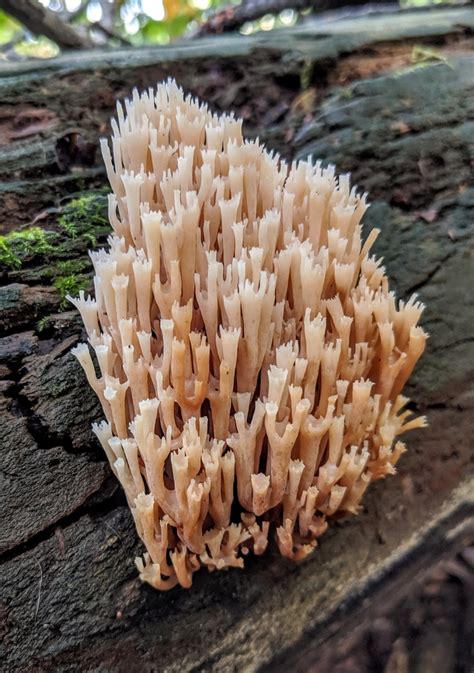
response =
{"points": [[69, 591]]}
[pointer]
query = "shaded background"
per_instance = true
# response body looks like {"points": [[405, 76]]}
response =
{"points": [[41, 28]]}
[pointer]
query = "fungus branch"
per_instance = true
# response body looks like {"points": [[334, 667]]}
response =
{"points": [[248, 346]]}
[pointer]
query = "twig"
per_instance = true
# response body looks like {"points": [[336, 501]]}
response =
{"points": [[234, 16], [98, 25], [38, 600], [42, 21]]}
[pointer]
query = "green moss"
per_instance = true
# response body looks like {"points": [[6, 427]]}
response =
{"points": [[59, 257], [69, 278], [16, 246], [82, 222], [70, 284], [85, 217], [346, 93], [72, 266], [42, 323]]}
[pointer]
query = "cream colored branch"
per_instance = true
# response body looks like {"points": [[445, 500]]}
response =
{"points": [[250, 356]]}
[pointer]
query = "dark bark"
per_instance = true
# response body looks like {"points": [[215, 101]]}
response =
{"points": [[53, 111], [70, 597]]}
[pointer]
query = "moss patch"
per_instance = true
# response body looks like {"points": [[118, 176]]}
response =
{"points": [[18, 246], [69, 278], [58, 255], [85, 217], [82, 223]]}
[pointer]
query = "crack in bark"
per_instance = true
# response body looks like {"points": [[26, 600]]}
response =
{"points": [[453, 344], [88, 508], [430, 275]]}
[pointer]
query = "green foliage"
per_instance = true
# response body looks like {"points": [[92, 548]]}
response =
{"points": [[70, 284], [17, 246], [82, 218], [58, 257], [86, 217], [406, 4], [9, 28], [13, 35], [139, 22], [162, 32], [42, 324], [142, 22], [41, 47]]}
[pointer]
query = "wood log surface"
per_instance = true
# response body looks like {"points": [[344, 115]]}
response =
{"points": [[389, 98]]}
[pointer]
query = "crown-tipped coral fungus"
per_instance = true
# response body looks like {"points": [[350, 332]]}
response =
{"points": [[250, 354]]}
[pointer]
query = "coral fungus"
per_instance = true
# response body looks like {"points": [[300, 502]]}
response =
{"points": [[251, 355]]}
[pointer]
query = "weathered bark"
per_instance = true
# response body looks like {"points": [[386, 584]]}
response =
{"points": [[53, 111], [70, 597]]}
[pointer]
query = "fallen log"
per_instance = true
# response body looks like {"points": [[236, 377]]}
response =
{"points": [[389, 98]]}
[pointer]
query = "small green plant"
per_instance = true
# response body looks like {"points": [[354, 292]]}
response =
{"points": [[42, 323], [72, 266], [69, 278], [16, 246], [85, 216], [82, 222], [71, 284]]}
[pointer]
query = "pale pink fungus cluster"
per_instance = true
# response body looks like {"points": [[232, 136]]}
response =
{"points": [[250, 354]]}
